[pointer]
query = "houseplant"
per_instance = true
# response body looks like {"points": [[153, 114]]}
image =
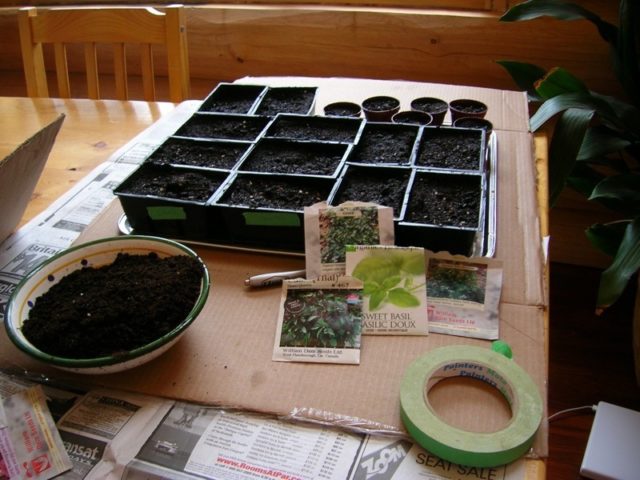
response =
{"points": [[595, 139]]}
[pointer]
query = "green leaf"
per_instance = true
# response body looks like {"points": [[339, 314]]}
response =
{"points": [[600, 141], [376, 268], [578, 100], [376, 299], [525, 75], [584, 179], [401, 298], [628, 116], [614, 279], [564, 147], [622, 189], [558, 81], [560, 11], [413, 262], [391, 282], [607, 237]]}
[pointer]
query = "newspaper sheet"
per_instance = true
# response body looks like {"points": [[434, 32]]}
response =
{"points": [[114, 435]]}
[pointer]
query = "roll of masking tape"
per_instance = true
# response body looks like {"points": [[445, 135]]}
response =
{"points": [[459, 446]]}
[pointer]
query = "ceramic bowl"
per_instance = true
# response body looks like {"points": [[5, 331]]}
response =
{"points": [[97, 253]]}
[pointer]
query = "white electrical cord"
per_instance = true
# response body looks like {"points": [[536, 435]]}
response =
{"points": [[561, 413]]}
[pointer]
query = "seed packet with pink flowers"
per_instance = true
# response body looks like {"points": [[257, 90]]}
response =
{"points": [[319, 321]]}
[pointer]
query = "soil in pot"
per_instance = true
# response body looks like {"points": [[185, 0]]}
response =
{"points": [[383, 186], [325, 129], [231, 98], [467, 108], [441, 199], [298, 100], [450, 148], [342, 109], [412, 117], [182, 184], [221, 126], [380, 108], [385, 144], [207, 154], [290, 157], [129, 303], [267, 191], [436, 107]]}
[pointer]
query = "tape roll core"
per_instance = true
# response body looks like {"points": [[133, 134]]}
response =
{"points": [[456, 445]]}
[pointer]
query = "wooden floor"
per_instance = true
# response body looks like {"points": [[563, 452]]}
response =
{"points": [[591, 360], [591, 357]]}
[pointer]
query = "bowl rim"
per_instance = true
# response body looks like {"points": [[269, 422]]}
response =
{"points": [[67, 362]]}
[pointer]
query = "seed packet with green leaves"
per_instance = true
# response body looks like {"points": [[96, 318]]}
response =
{"points": [[463, 295], [395, 298], [319, 321], [328, 230]]}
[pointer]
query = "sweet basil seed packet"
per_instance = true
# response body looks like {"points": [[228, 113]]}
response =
{"points": [[319, 321], [463, 295], [394, 290], [328, 230]]}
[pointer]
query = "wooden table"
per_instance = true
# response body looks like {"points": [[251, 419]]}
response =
{"points": [[91, 132]]}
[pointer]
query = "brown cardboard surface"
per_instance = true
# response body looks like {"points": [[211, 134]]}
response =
{"points": [[19, 173], [225, 357]]}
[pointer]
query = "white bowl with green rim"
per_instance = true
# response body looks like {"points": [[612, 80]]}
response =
{"points": [[96, 254]]}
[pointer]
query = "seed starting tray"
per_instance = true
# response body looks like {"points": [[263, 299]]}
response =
{"points": [[240, 169]]}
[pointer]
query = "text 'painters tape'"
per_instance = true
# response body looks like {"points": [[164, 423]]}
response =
{"points": [[461, 446]]}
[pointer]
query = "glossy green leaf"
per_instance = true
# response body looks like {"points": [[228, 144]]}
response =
{"points": [[564, 147], [614, 279], [600, 141], [623, 189], [579, 100], [561, 11], [627, 114], [558, 81], [607, 237], [525, 75], [583, 178]]}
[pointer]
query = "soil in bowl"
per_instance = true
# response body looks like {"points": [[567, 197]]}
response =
{"points": [[459, 149], [298, 100], [342, 109], [435, 107], [182, 184], [95, 312], [383, 186], [222, 126], [385, 144], [199, 153], [275, 192], [292, 157], [445, 199], [325, 129]]}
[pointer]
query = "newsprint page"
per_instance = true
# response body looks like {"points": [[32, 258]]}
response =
{"points": [[116, 435]]}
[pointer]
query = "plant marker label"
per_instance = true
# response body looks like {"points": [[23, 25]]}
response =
{"points": [[394, 288], [320, 321]]}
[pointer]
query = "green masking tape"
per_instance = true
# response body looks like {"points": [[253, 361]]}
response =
{"points": [[457, 445]]}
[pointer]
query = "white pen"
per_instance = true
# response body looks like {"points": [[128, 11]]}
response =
{"points": [[266, 279]]}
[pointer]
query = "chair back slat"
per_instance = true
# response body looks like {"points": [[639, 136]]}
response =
{"points": [[62, 70], [117, 26]]}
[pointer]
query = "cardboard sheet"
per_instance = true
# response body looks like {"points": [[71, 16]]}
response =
{"points": [[225, 357]]}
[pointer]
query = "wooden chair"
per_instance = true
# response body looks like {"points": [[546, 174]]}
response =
{"points": [[109, 25]]}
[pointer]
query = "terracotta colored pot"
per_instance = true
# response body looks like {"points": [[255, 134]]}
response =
{"points": [[413, 117], [342, 109], [380, 108], [467, 108], [435, 107]]}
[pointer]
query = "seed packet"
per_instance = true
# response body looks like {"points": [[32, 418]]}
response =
{"points": [[319, 321], [328, 230], [463, 295], [394, 291], [30, 444]]}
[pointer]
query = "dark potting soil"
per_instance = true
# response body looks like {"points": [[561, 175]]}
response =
{"points": [[332, 129], [429, 105], [469, 106], [450, 149], [173, 183], [95, 312], [275, 192], [391, 144], [232, 99], [380, 104], [452, 200], [383, 188], [233, 127], [294, 158], [286, 100], [223, 155]]}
